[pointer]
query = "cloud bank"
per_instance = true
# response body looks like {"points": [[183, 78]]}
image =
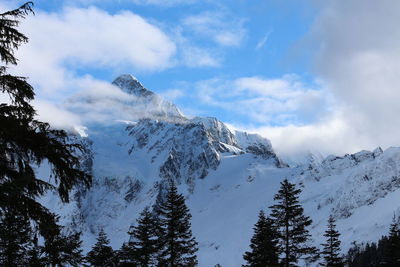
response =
{"points": [[357, 56], [82, 37]]}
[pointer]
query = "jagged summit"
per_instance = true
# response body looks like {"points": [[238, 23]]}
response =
{"points": [[130, 84]]}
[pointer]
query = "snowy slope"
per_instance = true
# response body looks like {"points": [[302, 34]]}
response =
{"points": [[226, 176]]}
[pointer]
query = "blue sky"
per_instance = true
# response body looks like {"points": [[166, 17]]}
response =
{"points": [[302, 73], [262, 38]]}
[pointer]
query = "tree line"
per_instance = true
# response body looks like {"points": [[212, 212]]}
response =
{"points": [[282, 239]]}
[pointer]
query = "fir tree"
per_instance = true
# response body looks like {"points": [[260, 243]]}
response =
{"points": [[61, 250], [392, 252], [264, 244], [178, 245], [331, 249], [26, 142], [101, 254], [126, 256], [15, 239], [292, 226], [34, 255], [144, 242]]}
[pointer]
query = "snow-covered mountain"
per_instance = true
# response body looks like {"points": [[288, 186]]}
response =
{"points": [[227, 177]]}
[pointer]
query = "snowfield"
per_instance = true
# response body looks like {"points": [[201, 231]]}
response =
{"points": [[227, 177]]}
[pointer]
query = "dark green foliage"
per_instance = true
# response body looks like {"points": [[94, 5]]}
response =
{"points": [[19, 245], [386, 253], [371, 255], [264, 244], [178, 246], [61, 250], [292, 226], [26, 142], [15, 239], [34, 255], [126, 255], [143, 245], [102, 254], [331, 249], [392, 255]]}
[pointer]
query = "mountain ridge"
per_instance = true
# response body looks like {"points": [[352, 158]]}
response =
{"points": [[226, 177]]}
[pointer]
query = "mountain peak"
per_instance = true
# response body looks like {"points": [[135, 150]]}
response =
{"points": [[131, 85]]}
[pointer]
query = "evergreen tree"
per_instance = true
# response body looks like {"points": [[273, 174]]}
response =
{"points": [[102, 254], [26, 142], [144, 242], [392, 251], [331, 249], [15, 239], [264, 244], [178, 246], [385, 253], [126, 256], [34, 255], [292, 226], [61, 250]]}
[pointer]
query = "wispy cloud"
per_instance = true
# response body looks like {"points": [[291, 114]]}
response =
{"points": [[164, 2], [173, 94], [222, 28], [160, 3], [264, 40], [272, 101]]}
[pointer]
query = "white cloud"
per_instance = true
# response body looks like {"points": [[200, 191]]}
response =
{"points": [[161, 3], [357, 47], [221, 28], [58, 117], [333, 135], [164, 2], [264, 40], [192, 55], [173, 94], [273, 101], [90, 37], [61, 43], [359, 59]]}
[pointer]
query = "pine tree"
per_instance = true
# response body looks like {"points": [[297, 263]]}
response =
{"points": [[331, 249], [392, 252], [178, 246], [61, 250], [15, 239], [126, 256], [292, 226], [26, 142], [35, 258], [264, 244], [101, 254], [144, 244]]}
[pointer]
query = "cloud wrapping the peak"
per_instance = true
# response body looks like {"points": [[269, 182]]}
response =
{"points": [[78, 38]]}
